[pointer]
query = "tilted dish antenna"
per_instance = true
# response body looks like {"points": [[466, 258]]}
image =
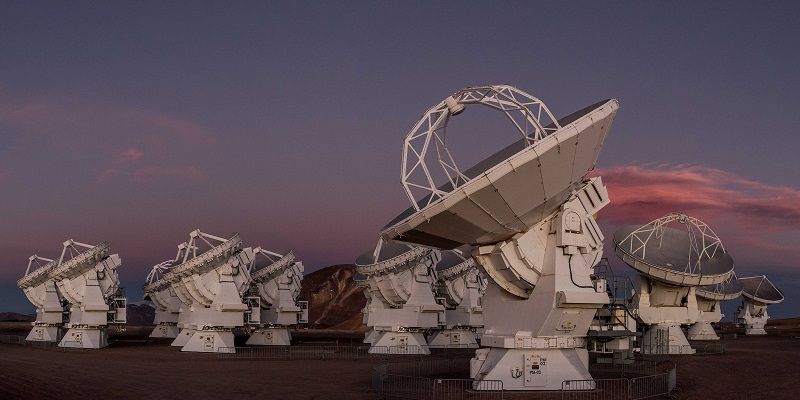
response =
{"points": [[459, 286], [86, 275], [401, 304], [167, 304], [758, 292], [277, 281], [674, 254], [41, 290], [210, 280], [708, 301], [527, 209]]}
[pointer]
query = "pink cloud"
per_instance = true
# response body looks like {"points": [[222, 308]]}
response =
{"points": [[752, 218], [131, 155], [151, 173]]}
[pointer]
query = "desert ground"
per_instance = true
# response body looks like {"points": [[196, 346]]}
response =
{"points": [[136, 368]]}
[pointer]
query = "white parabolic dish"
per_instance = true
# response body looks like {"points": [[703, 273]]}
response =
{"points": [[512, 190]]}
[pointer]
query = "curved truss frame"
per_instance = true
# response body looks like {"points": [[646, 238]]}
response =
{"points": [[529, 116], [703, 242]]}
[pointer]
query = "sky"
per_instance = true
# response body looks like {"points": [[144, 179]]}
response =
{"points": [[137, 122]]}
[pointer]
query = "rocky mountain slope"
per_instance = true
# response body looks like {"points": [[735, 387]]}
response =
{"points": [[334, 301]]}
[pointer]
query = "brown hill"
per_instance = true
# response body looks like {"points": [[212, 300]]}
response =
{"points": [[16, 317], [334, 301]]}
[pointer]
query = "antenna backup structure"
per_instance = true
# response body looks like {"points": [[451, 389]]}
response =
{"points": [[674, 255], [87, 277], [209, 280], [41, 290], [275, 306], [167, 304], [401, 305], [708, 302], [528, 209], [460, 286], [758, 292]]}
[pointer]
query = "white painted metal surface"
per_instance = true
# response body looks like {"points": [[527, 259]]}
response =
{"points": [[758, 292], [528, 209], [274, 298], [210, 279], [401, 305], [85, 277], [709, 299], [459, 288], [166, 302], [41, 290], [674, 255]]}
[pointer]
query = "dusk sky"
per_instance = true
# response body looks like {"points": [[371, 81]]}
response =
{"points": [[136, 122]]}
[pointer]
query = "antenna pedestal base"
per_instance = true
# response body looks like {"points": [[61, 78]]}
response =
{"points": [[372, 336], [45, 334], [453, 338], [183, 337], [665, 339], [391, 342], [84, 338], [165, 331], [210, 342], [753, 316], [274, 336], [702, 331], [530, 369]]}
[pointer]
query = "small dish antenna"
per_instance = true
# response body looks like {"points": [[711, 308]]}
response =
{"points": [[460, 286], [209, 279], [708, 301], [528, 212], [273, 299], [167, 304], [41, 290], [86, 276], [400, 281], [674, 255], [758, 292]]}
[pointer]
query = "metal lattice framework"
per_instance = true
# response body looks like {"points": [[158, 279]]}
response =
{"points": [[529, 116], [703, 242]]}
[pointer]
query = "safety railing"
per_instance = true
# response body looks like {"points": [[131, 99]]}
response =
{"points": [[710, 348], [658, 384], [12, 339], [324, 352], [666, 349]]}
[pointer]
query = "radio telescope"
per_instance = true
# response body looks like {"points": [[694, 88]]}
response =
{"points": [[674, 255], [209, 280], [401, 304], [460, 285], [276, 282], [167, 303], [708, 301], [757, 293], [528, 211], [41, 290], [87, 277]]}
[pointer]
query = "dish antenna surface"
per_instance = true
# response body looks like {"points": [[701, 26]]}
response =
{"points": [[86, 276], [41, 290], [209, 280], [167, 303], [528, 209], [401, 304], [673, 254], [758, 292], [708, 301], [274, 307], [459, 286]]}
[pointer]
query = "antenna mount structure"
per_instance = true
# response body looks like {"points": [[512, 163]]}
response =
{"points": [[674, 255], [527, 211]]}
